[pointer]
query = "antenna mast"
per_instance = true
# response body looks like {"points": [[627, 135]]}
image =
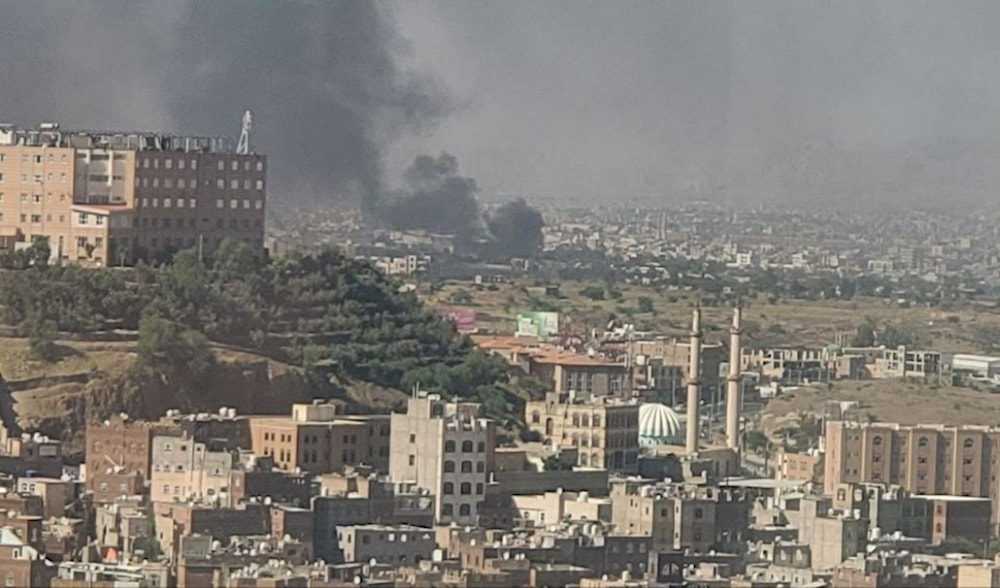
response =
{"points": [[243, 147]]}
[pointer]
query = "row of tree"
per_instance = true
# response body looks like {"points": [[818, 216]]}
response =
{"points": [[324, 312]]}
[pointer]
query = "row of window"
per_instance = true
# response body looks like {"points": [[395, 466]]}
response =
{"points": [[37, 159], [168, 163], [38, 178], [234, 203], [466, 467], [35, 198], [464, 510], [467, 446], [465, 488], [192, 183], [166, 223]]}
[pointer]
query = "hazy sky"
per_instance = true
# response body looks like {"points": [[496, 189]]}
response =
{"points": [[571, 99], [587, 98]]}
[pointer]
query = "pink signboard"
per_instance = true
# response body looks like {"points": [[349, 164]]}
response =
{"points": [[464, 318]]}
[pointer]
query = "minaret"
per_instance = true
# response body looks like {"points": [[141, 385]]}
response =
{"points": [[694, 384], [733, 382]]}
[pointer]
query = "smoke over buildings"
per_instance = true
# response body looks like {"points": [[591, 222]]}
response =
{"points": [[438, 200], [323, 79]]}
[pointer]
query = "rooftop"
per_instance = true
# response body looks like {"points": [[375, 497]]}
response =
{"points": [[53, 135]]}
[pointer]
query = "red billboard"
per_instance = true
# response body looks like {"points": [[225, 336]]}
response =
{"points": [[464, 318]]}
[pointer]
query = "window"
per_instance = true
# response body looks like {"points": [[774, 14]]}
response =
{"points": [[1, 178], [922, 442], [260, 184], [246, 204], [220, 203], [168, 163], [968, 443], [467, 446], [480, 466], [481, 447], [246, 184], [99, 220], [192, 203], [259, 204], [479, 488], [37, 198], [260, 166], [464, 510], [465, 488], [234, 165], [449, 488], [194, 164], [699, 513], [234, 203], [449, 447], [168, 183], [83, 218], [166, 203], [449, 466], [36, 218], [234, 184], [180, 183], [222, 165], [466, 467], [447, 510], [413, 460], [877, 440], [180, 203]]}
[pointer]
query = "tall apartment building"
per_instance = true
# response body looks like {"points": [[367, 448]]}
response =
{"points": [[105, 198], [446, 449], [604, 431], [923, 459], [184, 469]]}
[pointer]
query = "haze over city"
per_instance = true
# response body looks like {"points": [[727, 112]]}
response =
{"points": [[885, 103]]}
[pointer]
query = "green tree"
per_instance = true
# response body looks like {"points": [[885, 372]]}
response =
{"points": [[645, 304], [864, 335], [593, 293], [168, 346], [41, 334], [555, 463]]}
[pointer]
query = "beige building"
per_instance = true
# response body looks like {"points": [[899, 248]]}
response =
{"points": [[316, 440], [604, 431], [55, 493], [675, 519], [446, 449], [979, 575], [799, 467], [550, 508], [105, 198], [186, 470], [923, 459]]}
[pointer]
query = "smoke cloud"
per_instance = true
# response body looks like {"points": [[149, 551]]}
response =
{"points": [[439, 199], [323, 79]]}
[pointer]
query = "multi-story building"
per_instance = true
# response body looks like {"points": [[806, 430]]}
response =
{"points": [[924, 459], [604, 431], [119, 453], [20, 563], [446, 449], [184, 469], [105, 198], [315, 439], [394, 544]]}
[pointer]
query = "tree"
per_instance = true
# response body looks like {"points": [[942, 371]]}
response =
{"points": [[645, 304], [864, 335], [593, 293], [41, 334], [167, 346], [555, 463]]}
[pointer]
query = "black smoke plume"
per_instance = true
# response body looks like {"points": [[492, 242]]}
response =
{"points": [[516, 229], [438, 199], [322, 78]]}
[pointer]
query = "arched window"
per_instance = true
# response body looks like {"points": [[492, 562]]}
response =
{"points": [[877, 440], [480, 466], [465, 488], [699, 513], [464, 510], [922, 442], [481, 447], [479, 489], [583, 459], [447, 510], [449, 466], [466, 467], [449, 447], [466, 446], [449, 488], [536, 417], [968, 443]]}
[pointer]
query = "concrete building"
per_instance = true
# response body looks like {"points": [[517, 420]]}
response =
{"points": [[923, 459], [118, 455], [604, 431], [184, 469], [55, 493], [446, 449], [316, 440], [539, 510], [581, 375], [105, 198], [20, 563], [387, 544]]}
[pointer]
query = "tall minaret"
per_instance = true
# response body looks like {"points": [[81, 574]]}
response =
{"points": [[694, 384], [733, 382]]}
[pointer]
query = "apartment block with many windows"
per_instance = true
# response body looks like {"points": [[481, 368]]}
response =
{"points": [[108, 198]]}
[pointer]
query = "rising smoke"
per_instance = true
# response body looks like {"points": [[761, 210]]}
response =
{"points": [[438, 199], [322, 78]]}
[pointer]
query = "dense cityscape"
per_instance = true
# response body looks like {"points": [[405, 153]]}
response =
{"points": [[712, 301]]}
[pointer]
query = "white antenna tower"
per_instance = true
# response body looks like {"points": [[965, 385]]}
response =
{"points": [[243, 147]]}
